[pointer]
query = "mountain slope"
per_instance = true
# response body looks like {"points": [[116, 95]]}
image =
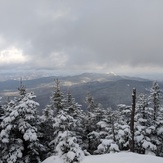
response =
{"points": [[107, 89]]}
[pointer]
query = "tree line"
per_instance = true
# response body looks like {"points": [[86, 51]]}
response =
{"points": [[67, 131]]}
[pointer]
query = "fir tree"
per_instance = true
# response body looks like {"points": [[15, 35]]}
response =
{"points": [[123, 127], [59, 117], [90, 103], [57, 100], [68, 148], [108, 133], [65, 139], [95, 131], [159, 131], [74, 109], [57, 104], [143, 126], [19, 135], [155, 95]]}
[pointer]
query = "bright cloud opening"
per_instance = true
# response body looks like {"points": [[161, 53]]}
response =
{"points": [[12, 55]]}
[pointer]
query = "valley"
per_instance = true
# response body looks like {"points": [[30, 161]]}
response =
{"points": [[107, 89]]}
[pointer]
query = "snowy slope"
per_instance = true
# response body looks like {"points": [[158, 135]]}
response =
{"points": [[122, 157]]}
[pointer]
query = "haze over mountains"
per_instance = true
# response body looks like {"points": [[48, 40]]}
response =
{"points": [[107, 89]]}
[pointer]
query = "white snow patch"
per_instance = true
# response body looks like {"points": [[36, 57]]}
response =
{"points": [[114, 147], [139, 138], [30, 135], [53, 159], [160, 130], [148, 145], [121, 132], [122, 157], [71, 155]]}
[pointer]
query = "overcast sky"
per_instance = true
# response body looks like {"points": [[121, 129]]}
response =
{"points": [[120, 36]]}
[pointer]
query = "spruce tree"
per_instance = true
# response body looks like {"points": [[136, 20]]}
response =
{"points": [[74, 109], [143, 126], [57, 103], [62, 119], [156, 97], [66, 138], [68, 148], [99, 128], [108, 132], [159, 131], [90, 103], [19, 135], [157, 134], [57, 100], [123, 127]]}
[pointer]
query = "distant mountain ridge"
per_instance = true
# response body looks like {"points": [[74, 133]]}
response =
{"points": [[107, 89]]}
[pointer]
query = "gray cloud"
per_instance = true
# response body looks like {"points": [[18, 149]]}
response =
{"points": [[88, 35]]}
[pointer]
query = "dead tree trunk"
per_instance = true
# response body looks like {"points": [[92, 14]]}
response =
{"points": [[132, 142]]}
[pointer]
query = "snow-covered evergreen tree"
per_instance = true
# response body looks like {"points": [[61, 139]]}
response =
{"points": [[108, 133], [91, 139], [65, 140], [99, 128], [155, 96], [57, 100], [74, 109], [68, 148], [97, 132], [90, 103], [67, 127], [143, 111], [57, 103], [107, 146], [62, 115], [159, 131], [123, 127], [7, 108], [144, 126], [148, 128], [19, 130]]}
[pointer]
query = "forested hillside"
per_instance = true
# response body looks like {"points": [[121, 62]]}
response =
{"points": [[107, 89]]}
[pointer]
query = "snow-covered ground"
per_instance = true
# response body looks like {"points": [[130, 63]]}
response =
{"points": [[122, 157]]}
